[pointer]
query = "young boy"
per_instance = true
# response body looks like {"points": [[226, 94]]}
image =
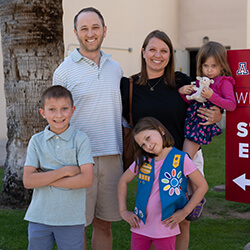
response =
{"points": [[59, 166]]}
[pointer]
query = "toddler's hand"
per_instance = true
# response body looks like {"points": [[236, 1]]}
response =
{"points": [[186, 89], [207, 92], [131, 218]]}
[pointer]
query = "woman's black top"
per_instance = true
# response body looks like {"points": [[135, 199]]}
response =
{"points": [[164, 104]]}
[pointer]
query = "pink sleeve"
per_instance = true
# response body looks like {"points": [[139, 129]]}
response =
{"points": [[132, 168], [189, 166], [184, 98], [225, 98]]}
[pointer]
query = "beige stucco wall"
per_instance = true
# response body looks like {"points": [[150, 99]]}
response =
{"points": [[222, 21], [128, 24], [248, 24]]}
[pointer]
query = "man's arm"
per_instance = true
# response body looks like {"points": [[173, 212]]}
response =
{"points": [[82, 180], [34, 179]]}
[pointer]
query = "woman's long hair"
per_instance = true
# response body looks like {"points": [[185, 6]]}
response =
{"points": [[169, 73]]}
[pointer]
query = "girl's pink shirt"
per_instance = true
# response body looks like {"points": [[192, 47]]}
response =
{"points": [[223, 95], [154, 227]]}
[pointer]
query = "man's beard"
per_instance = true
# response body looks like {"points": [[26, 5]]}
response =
{"points": [[89, 48]]}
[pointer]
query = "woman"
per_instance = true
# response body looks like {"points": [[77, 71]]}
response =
{"points": [[155, 93]]}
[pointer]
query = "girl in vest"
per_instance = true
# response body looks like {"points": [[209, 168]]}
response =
{"points": [[211, 63], [163, 173]]}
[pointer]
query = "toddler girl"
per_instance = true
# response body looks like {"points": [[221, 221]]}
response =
{"points": [[212, 63]]}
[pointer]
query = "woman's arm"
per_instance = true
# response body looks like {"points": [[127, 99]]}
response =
{"points": [[128, 216], [124, 88]]}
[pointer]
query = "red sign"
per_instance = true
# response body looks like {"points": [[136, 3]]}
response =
{"points": [[238, 131]]}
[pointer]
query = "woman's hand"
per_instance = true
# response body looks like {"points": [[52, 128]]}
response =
{"points": [[131, 218], [212, 115]]}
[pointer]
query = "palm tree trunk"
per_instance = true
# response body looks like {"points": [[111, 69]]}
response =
{"points": [[32, 45]]}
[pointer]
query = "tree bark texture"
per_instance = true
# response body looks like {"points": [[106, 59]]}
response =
{"points": [[32, 45]]}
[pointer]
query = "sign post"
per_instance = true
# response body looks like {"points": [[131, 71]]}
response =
{"points": [[238, 130]]}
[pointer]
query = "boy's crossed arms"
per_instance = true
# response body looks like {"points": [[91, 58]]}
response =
{"points": [[72, 177]]}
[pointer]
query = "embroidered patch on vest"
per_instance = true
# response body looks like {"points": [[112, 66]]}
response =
{"points": [[172, 182], [145, 172], [176, 161]]}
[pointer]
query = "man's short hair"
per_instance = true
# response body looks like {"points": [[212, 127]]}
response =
{"points": [[56, 91], [89, 9]]}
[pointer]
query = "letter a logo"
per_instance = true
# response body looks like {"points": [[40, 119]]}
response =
{"points": [[242, 70]]}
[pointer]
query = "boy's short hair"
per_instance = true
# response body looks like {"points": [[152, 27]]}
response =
{"points": [[56, 91], [89, 9]]}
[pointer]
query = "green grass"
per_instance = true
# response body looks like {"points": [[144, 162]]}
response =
{"points": [[13, 230], [219, 228], [223, 234]]}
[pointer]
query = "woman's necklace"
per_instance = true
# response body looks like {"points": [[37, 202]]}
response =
{"points": [[152, 88]]}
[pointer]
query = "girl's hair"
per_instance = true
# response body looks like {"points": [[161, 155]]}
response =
{"points": [[149, 123], [56, 91], [169, 73], [218, 52]]}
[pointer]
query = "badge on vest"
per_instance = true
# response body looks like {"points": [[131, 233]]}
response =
{"points": [[176, 161], [172, 179], [173, 182], [145, 171], [145, 182]]}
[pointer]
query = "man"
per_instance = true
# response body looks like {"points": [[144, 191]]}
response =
{"points": [[94, 81]]}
